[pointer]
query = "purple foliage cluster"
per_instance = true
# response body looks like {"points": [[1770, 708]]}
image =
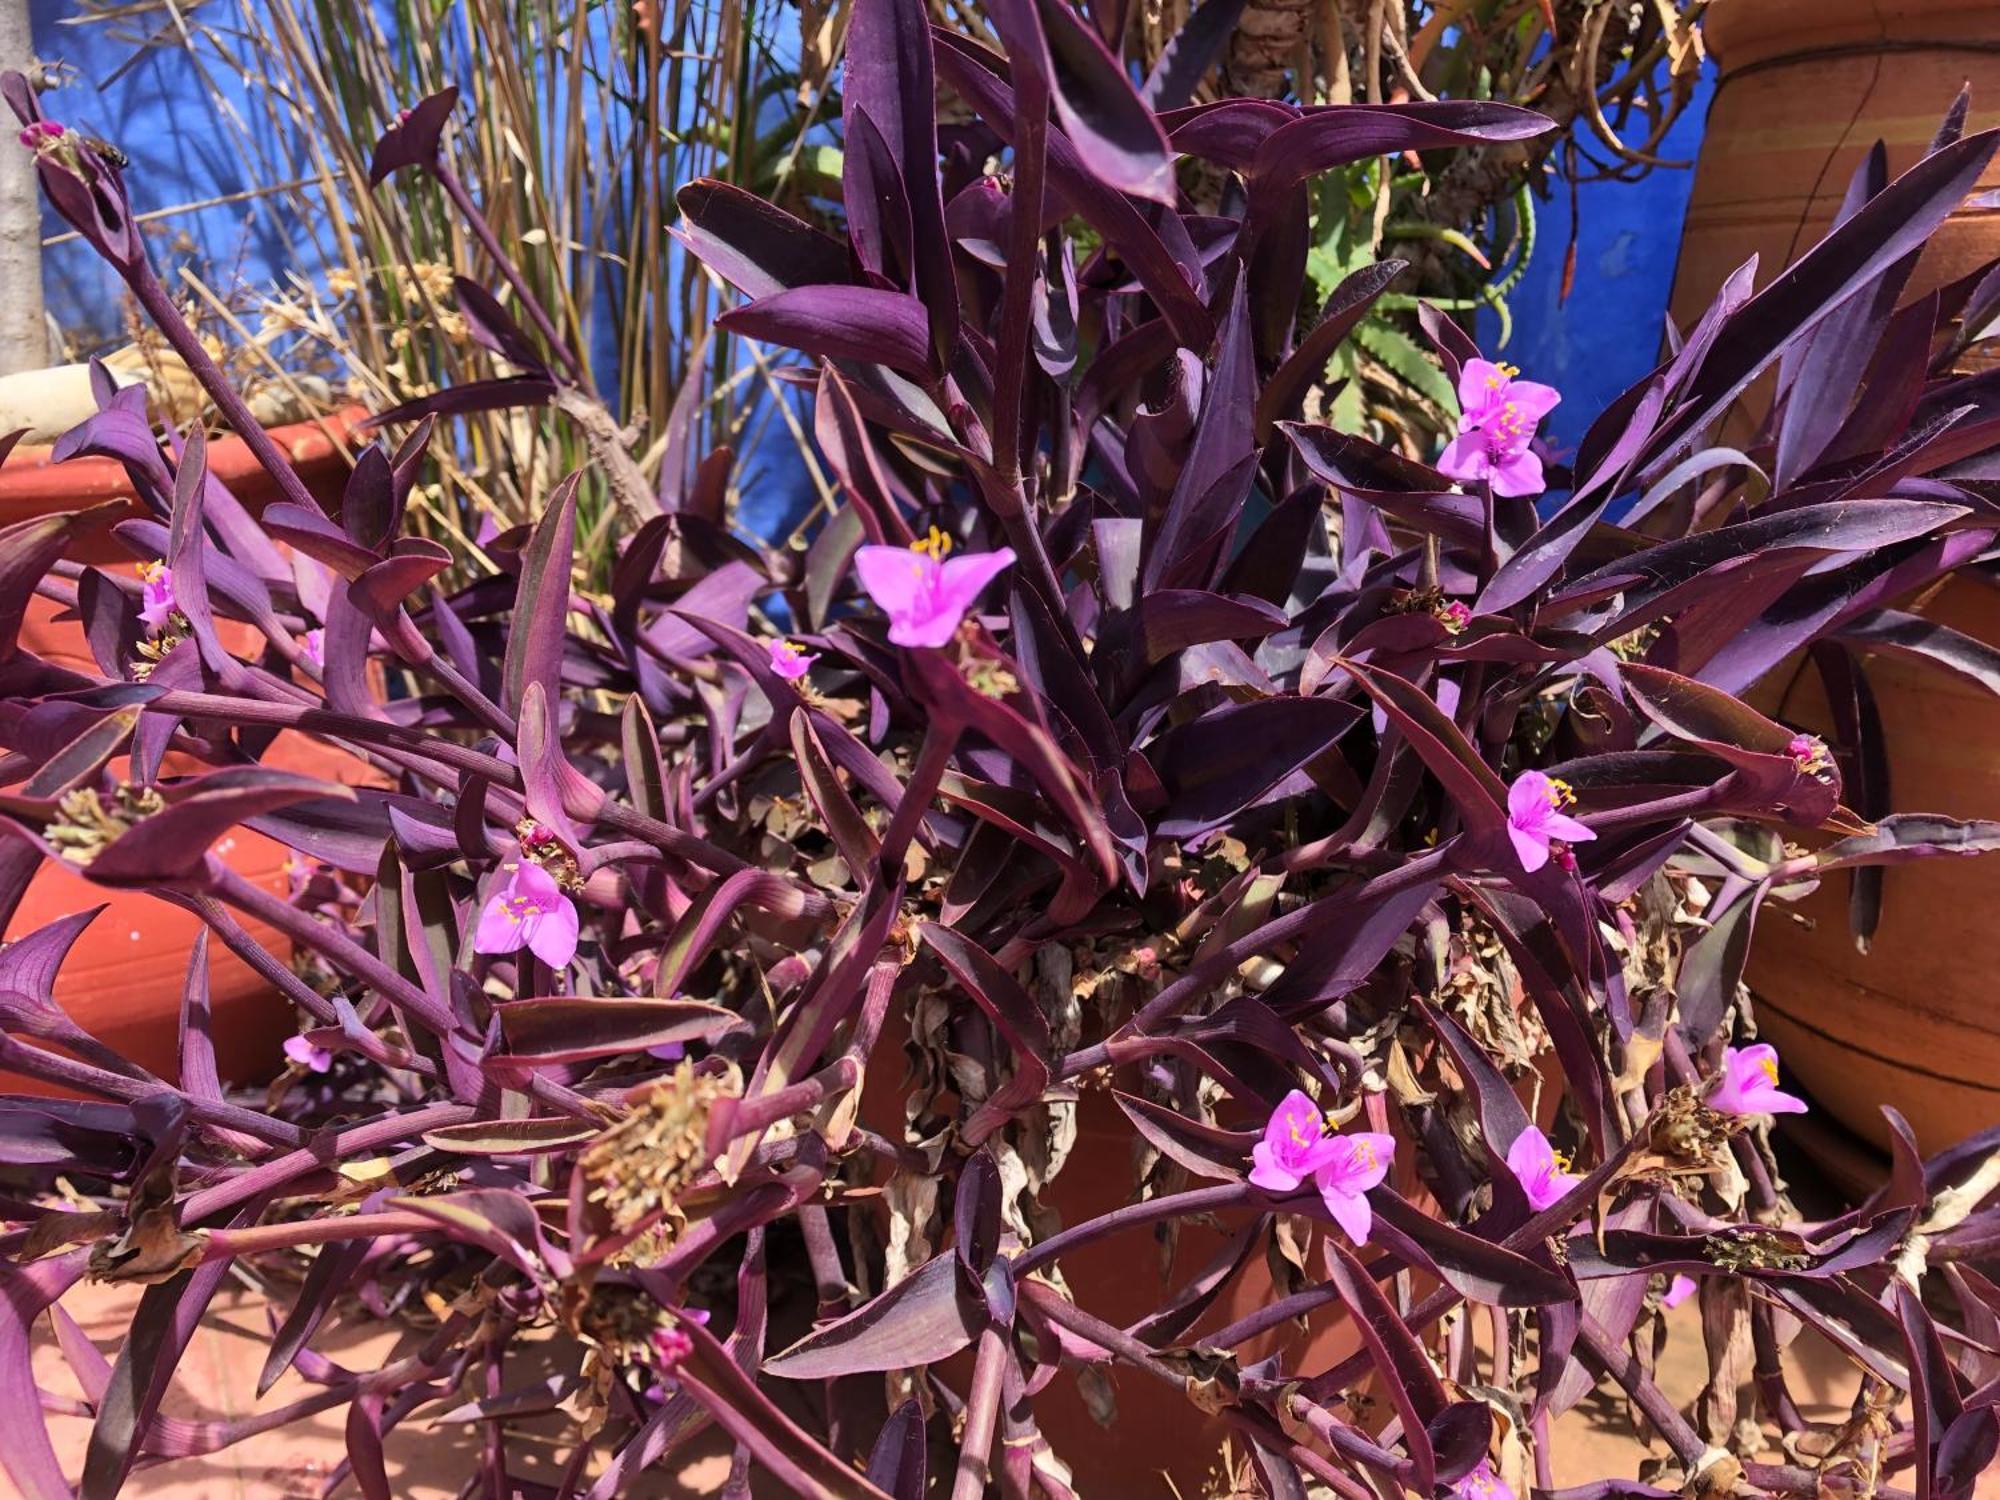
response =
{"points": [[1134, 744]]}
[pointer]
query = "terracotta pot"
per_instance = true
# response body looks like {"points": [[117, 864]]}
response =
{"points": [[32, 484], [1807, 88], [123, 981], [1912, 1022]]}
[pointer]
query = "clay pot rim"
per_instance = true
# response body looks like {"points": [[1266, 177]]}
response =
{"points": [[33, 484]]}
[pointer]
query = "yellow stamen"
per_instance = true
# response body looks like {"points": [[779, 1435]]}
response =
{"points": [[1560, 793], [937, 545], [1510, 371], [150, 572], [1561, 1159]]}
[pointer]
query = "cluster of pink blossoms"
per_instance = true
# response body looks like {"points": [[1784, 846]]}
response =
{"points": [[1297, 1146], [1498, 415]]}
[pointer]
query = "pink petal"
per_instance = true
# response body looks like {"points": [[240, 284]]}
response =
{"points": [[1362, 1173], [927, 625], [1530, 1155], [1562, 826], [552, 935], [499, 931], [1519, 475], [1533, 400], [1350, 1211], [897, 579], [1480, 384], [536, 883], [1269, 1173], [1464, 457], [1528, 800], [1533, 852], [1678, 1291]]}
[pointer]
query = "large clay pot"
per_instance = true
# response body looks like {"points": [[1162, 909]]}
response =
{"points": [[1912, 1022], [123, 981], [1807, 88], [32, 484]]}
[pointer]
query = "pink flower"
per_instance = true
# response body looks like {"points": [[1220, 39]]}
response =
{"points": [[1482, 1484], [1678, 1291], [671, 1347], [790, 660], [924, 596], [1496, 426], [1295, 1144], [1535, 818], [1355, 1164], [314, 642], [1454, 615], [1749, 1084], [306, 1055], [532, 911], [1544, 1175], [33, 136], [157, 601], [1810, 755]]}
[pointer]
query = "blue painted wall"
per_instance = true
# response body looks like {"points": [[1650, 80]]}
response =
{"points": [[1594, 344]]}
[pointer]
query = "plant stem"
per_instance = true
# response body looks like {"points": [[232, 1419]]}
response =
{"points": [[166, 317], [933, 756], [982, 1411]]}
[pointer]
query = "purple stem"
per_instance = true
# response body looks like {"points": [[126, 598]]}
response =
{"points": [[166, 317], [334, 945], [475, 220], [18, 1057], [933, 756], [321, 1150], [982, 1411]]}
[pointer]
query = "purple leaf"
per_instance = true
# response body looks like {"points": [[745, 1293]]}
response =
{"points": [[926, 1317], [412, 141], [754, 246], [541, 601], [840, 322], [172, 845], [568, 1030]]}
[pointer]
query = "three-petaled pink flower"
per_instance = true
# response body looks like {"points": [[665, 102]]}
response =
{"points": [[790, 660], [1678, 1291], [1454, 615], [1498, 415], [530, 911], [1749, 1084], [1482, 1484], [1535, 818], [1543, 1175], [307, 1055], [925, 595], [1295, 1144], [157, 602], [1356, 1163]]}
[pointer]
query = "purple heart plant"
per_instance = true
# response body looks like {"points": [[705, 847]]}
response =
{"points": [[719, 966]]}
